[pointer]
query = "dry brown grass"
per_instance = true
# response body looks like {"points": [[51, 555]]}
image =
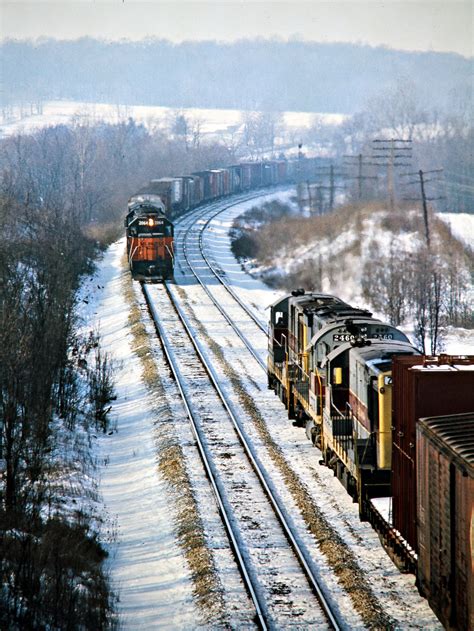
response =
{"points": [[172, 467], [447, 243], [292, 232]]}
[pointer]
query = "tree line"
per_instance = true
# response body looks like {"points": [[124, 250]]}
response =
{"points": [[249, 74], [63, 194], [425, 137]]}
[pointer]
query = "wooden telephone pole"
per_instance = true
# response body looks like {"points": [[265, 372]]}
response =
{"points": [[424, 199], [329, 171], [392, 153], [358, 161]]}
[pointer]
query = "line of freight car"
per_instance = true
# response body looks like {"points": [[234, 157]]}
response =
{"points": [[444, 527], [422, 387], [150, 239], [184, 192], [149, 220]]}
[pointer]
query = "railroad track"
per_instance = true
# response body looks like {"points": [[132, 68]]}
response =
{"points": [[189, 243], [276, 569], [219, 277], [191, 233]]}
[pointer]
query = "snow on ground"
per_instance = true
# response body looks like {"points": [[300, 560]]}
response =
{"points": [[462, 226], [213, 120], [344, 279], [397, 592], [146, 564], [253, 291]]}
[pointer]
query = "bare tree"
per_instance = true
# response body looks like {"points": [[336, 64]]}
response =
{"points": [[260, 131], [397, 111]]}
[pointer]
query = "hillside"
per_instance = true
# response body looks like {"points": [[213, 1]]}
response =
{"points": [[248, 74], [369, 257]]}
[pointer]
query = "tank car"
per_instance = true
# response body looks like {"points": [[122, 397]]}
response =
{"points": [[149, 235]]}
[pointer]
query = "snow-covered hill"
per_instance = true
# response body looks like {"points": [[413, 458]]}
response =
{"points": [[343, 254]]}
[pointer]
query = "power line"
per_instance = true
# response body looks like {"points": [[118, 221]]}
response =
{"points": [[461, 177], [360, 164], [387, 150]]}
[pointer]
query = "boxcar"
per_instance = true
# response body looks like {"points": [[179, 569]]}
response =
{"points": [[422, 387], [445, 487], [170, 190]]}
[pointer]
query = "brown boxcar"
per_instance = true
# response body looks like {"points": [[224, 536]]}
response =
{"points": [[422, 387], [445, 488]]}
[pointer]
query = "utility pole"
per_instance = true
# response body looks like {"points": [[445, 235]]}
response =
{"points": [[315, 197], [300, 156], [310, 198], [320, 199], [331, 188], [330, 172], [299, 183], [424, 199], [425, 209], [392, 153], [358, 161]]}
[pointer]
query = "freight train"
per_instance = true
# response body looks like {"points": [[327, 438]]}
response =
{"points": [[330, 363], [149, 238], [152, 210], [363, 393]]}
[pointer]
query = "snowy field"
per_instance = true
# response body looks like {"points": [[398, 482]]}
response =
{"points": [[462, 227], [213, 121]]}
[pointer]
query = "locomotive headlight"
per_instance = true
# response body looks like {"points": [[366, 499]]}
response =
{"points": [[151, 221]]}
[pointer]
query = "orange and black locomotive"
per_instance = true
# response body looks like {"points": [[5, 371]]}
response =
{"points": [[149, 239]]}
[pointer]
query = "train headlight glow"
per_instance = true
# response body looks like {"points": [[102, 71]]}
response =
{"points": [[151, 221]]}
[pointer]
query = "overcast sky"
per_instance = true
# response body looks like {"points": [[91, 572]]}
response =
{"points": [[412, 25]]}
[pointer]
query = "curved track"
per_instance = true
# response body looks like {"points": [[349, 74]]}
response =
{"points": [[190, 244]]}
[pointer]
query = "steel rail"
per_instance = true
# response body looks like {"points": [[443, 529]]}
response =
{"points": [[223, 312], [301, 554], [211, 474], [249, 312], [229, 320]]}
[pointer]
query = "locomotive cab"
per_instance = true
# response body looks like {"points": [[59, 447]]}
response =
{"points": [[149, 239]]}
